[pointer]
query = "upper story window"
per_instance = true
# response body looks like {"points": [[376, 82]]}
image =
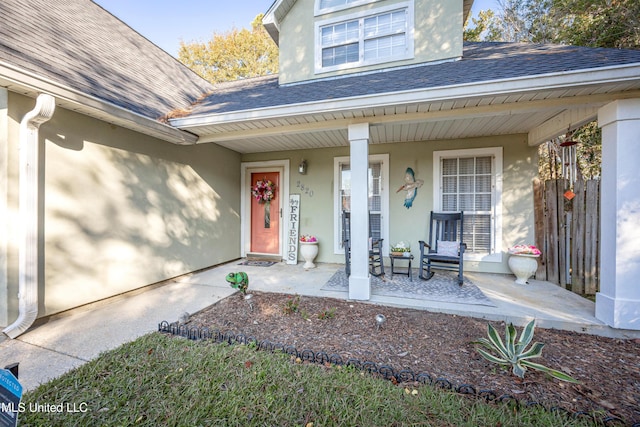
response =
{"points": [[371, 37]]}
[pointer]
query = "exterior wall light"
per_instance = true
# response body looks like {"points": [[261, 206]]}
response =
{"points": [[302, 167]]}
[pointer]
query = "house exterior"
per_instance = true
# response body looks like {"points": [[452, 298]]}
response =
{"points": [[117, 200], [366, 89]]}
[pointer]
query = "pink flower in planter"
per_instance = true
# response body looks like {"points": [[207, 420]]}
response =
{"points": [[524, 250]]}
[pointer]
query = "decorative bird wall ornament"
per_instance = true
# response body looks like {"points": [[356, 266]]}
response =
{"points": [[411, 185], [239, 281]]}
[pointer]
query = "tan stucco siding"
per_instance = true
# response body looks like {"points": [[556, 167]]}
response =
{"points": [[121, 210], [437, 37], [519, 166], [410, 225]]}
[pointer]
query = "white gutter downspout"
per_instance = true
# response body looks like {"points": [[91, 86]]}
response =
{"points": [[28, 212]]}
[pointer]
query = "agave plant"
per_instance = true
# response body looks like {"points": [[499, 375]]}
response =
{"points": [[515, 353]]}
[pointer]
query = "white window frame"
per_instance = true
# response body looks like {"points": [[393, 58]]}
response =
{"points": [[384, 200], [354, 3], [361, 16], [496, 182]]}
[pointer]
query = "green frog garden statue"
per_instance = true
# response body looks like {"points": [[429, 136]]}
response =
{"points": [[239, 281]]}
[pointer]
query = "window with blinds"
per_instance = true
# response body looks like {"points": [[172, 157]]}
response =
{"points": [[362, 40], [385, 35], [466, 185], [375, 195], [380, 35]]}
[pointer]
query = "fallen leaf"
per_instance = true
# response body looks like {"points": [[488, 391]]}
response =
{"points": [[248, 364], [606, 404]]}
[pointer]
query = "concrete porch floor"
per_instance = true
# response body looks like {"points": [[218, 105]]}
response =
{"points": [[70, 339]]}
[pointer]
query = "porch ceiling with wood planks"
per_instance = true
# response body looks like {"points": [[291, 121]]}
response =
{"points": [[541, 114]]}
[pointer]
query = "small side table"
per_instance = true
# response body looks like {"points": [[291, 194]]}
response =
{"points": [[409, 258]]}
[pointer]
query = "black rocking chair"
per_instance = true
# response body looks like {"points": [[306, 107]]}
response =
{"points": [[445, 249], [376, 263]]}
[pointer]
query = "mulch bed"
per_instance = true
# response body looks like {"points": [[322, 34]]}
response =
{"points": [[442, 346]]}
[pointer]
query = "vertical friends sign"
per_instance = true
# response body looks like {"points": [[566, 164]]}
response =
{"points": [[294, 224]]}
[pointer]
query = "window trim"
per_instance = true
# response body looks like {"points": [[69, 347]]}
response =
{"points": [[384, 200], [496, 181], [323, 11], [361, 16]]}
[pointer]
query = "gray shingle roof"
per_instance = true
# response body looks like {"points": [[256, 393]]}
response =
{"points": [[79, 44], [480, 62]]}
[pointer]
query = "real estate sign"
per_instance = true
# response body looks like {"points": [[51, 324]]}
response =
{"points": [[10, 395]]}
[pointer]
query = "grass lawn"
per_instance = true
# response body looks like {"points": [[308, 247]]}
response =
{"points": [[159, 380]]}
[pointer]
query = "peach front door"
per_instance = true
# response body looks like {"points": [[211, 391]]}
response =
{"points": [[265, 217]]}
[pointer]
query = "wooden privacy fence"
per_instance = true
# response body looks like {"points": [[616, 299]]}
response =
{"points": [[568, 234]]}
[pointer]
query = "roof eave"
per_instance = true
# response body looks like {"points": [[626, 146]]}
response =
{"points": [[30, 84], [466, 10], [270, 22]]}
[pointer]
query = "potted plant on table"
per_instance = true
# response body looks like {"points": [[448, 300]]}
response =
{"points": [[308, 249], [401, 249], [523, 262]]}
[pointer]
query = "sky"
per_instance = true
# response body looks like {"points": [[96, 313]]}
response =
{"points": [[166, 23]]}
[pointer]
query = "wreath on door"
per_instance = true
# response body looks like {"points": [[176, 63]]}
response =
{"points": [[264, 191]]}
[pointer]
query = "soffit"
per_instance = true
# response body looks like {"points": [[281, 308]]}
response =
{"points": [[444, 119]]}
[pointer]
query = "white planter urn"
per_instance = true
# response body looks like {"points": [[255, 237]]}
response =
{"points": [[309, 251], [523, 266]]}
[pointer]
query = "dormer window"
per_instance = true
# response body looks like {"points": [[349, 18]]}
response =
{"points": [[366, 38]]}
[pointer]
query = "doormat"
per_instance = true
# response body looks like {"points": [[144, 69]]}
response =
{"points": [[256, 263], [443, 287]]}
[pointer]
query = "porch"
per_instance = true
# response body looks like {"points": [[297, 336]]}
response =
{"points": [[552, 306], [67, 340]]}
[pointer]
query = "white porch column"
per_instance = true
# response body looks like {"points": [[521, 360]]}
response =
{"points": [[618, 302], [359, 281]]}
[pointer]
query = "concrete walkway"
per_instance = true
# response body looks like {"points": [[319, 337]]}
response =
{"points": [[72, 338]]}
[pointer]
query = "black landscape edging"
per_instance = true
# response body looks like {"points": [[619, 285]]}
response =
{"points": [[385, 371]]}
